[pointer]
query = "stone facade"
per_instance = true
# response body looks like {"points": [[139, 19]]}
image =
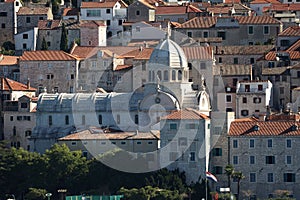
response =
{"points": [[140, 11]]}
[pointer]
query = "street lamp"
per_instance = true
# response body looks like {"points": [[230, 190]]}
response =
{"points": [[48, 195]]}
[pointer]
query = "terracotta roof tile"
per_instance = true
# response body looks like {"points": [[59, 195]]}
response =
{"points": [[232, 70], [99, 134], [271, 56], [9, 60], [166, 10], [282, 7], [105, 4], [198, 53], [46, 55], [33, 11], [145, 54], [121, 67], [257, 20], [92, 23], [199, 22], [147, 4], [153, 2], [48, 24], [243, 50], [265, 2], [70, 12], [295, 46], [273, 71], [265, 128], [11, 85], [290, 31], [185, 114]]}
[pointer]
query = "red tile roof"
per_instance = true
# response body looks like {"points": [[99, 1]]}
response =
{"points": [[92, 23], [166, 10], [265, 2], [99, 134], [105, 4], [257, 20], [70, 11], [295, 46], [154, 2], [11, 85], [198, 52], [199, 22], [232, 1], [265, 128], [48, 24], [290, 31], [147, 4], [121, 67], [9, 60], [185, 114], [282, 7], [33, 11], [46, 55], [144, 54]]}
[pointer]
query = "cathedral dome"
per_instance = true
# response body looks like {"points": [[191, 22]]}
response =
{"points": [[168, 53]]}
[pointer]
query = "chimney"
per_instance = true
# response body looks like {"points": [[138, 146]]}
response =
{"points": [[28, 83]]}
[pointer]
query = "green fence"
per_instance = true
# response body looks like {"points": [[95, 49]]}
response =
{"points": [[94, 197]]}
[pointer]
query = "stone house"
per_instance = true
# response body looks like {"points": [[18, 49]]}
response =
{"points": [[141, 11], [258, 6], [11, 91], [26, 41], [93, 33], [9, 67], [253, 98], [28, 18], [266, 153], [113, 13], [185, 143], [288, 37], [55, 71], [235, 30], [70, 14], [229, 9], [8, 18]]}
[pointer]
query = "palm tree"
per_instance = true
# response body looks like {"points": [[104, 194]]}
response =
{"points": [[238, 176], [229, 170]]}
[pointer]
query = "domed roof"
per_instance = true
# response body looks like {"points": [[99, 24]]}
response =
{"points": [[168, 53]]}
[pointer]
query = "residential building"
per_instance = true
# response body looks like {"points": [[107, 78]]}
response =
{"points": [[253, 98], [235, 30], [288, 37], [141, 10], [93, 33], [28, 17], [258, 5], [185, 143], [8, 18], [55, 71], [266, 153], [26, 41], [9, 67], [113, 13], [229, 9], [11, 91], [70, 14]]}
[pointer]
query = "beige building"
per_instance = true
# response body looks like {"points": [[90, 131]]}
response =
{"points": [[57, 71], [9, 67], [266, 152]]}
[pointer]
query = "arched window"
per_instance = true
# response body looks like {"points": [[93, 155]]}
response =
{"points": [[67, 120], [136, 119], [173, 75], [179, 75], [100, 119], [166, 75], [159, 75]]}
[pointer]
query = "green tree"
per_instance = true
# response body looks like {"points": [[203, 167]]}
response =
{"points": [[44, 44], [35, 194], [229, 170], [238, 176], [64, 39]]}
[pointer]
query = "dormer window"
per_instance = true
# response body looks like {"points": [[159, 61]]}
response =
{"points": [[294, 127], [24, 105], [256, 128]]}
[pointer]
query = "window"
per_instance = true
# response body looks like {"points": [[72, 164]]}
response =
{"points": [[284, 43], [270, 177], [72, 76], [252, 160], [235, 160], [192, 156], [251, 143], [27, 19], [270, 143], [252, 177], [25, 36], [118, 119], [228, 98], [100, 119], [289, 177], [281, 90], [3, 14], [266, 30], [288, 143], [137, 29], [205, 34], [189, 34], [260, 87], [256, 100], [244, 112], [24, 105], [250, 30], [67, 120], [235, 144], [217, 170], [120, 22], [73, 143], [136, 119], [50, 120], [220, 60], [247, 88], [191, 126], [107, 10], [137, 12], [235, 61], [83, 119], [49, 44], [93, 13], [11, 118], [14, 131], [252, 60], [50, 76], [244, 99], [217, 151], [270, 159], [108, 22], [288, 160], [24, 46], [222, 34], [173, 126], [2, 25], [123, 143]]}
